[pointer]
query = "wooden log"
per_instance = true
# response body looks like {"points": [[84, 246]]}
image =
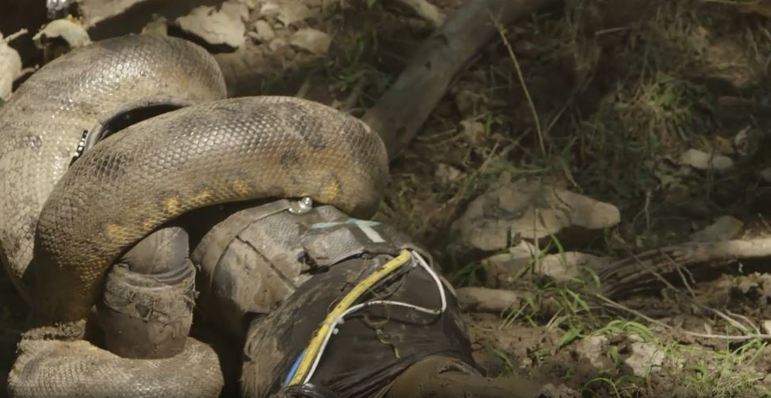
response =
{"points": [[398, 115]]}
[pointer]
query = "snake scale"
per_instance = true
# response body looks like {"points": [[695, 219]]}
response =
{"points": [[63, 226]]}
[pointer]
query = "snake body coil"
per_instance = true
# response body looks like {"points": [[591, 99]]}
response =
{"points": [[218, 152], [43, 122], [65, 225]]}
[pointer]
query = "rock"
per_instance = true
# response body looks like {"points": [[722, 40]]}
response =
{"points": [[482, 299], [701, 160], [264, 32], [645, 358], [724, 228], [767, 327], [473, 130], [567, 266], [446, 173], [594, 348], [530, 210], [467, 100], [426, 10], [560, 391], [765, 174], [159, 26], [523, 250], [69, 30], [223, 26], [504, 269], [10, 68], [743, 142], [312, 40], [288, 12]]}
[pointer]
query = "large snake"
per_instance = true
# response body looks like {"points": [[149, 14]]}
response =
{"points": [[43, 122], [60, 242]]}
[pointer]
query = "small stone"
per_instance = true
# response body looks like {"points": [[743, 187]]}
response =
{"points": [[473, 130], [645, 358], [426, 10], [65, 29], [765, 174], [724, 228], [288, 12], [567, 266], [593, 348], [524, 249], [505, 268], [159, 25], [530, 210], [264, 32], [277, 43], [482, 299], [312, 40], [701, 160], [468, 100], [743, 142], [223, 26], [558, 391], [767, 326], [446, 173]]}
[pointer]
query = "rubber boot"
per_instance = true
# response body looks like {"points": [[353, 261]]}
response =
{"points": [[147, 306]]}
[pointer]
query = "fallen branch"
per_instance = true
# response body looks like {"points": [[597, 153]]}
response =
{"points": [[627, 275], [398, 115]]}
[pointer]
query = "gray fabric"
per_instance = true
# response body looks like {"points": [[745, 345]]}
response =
{"points": [[285, 270], [253, 260]]}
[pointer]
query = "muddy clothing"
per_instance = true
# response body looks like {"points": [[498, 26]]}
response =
{"points": [[371, 348], [285, 271], [257, 257]]}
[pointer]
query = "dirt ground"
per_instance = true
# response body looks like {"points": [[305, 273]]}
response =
{"points": [[620, 91]]}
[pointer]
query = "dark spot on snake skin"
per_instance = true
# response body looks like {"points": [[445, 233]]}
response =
{"points": [[294, 179], [307, 126], [290, 159]]}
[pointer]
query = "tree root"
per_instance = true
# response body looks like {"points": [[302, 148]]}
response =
{"points": [[629, 275]]}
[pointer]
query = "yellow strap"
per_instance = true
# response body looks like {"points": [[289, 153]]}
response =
{"points": [[342, 306]]}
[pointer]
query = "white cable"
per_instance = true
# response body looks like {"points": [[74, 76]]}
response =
{"points": [[357, 307], [433, 274]]}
